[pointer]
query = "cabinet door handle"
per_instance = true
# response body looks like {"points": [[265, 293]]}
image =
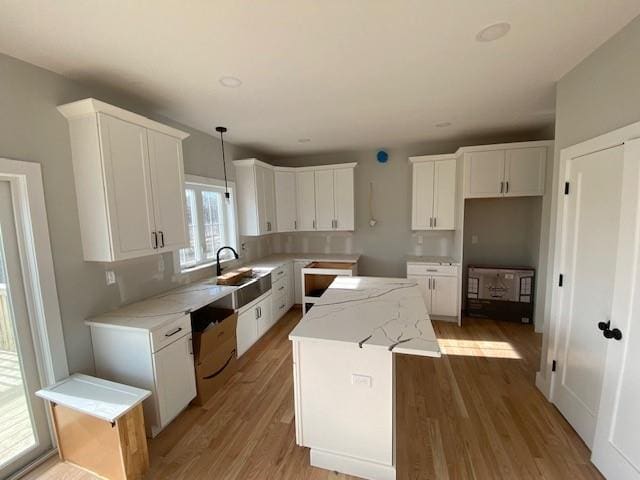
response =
{"points": [[173, 332], [435, 221], [161, 238], [314, 224], [257, 313], [429, 283], [155, 239], [433, 283], [507, 191], [336, 223], [295, 224], [430, 222], [501, 187]]}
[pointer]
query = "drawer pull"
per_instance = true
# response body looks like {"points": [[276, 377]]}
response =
{"points": [[282, 306], [220, 370], [173, 332], [281, 287], [432, 269], [280, 272]]}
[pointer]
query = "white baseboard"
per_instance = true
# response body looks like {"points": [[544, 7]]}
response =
{"points": [[352, 466], [543, 385]]}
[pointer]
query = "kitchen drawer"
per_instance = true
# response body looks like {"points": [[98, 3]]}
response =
{"points": [[280, 306], [280, 287], [431, 270], [163, 336], [279, 273]]}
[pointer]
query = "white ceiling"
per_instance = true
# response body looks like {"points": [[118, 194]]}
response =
{"points": [[344, 73]]}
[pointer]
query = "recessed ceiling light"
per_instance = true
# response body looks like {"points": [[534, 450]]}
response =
{"points": [[443, 124], [493, 32], [304, 140], [230, 82]]}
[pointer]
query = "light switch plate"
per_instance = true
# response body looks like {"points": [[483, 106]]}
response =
{"points": [[111, 277], [361, 380]]}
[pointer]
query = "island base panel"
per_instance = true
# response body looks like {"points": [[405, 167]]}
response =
{"points": [[352, 466]]}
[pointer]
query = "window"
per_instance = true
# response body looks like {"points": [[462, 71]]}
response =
{"points": [[211, 222]]}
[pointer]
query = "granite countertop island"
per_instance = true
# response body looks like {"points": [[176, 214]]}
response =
{"points": [[382, 313], [344, 371]]}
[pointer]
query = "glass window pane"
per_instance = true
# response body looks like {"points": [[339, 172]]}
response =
{"points": [[213, 225], [189, 256]]}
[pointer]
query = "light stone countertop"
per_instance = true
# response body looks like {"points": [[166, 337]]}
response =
{"points": [[371, 312], [432, 260], [156, 311]]}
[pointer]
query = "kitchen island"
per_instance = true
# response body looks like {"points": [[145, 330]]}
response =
{"points": [[344, 371]]}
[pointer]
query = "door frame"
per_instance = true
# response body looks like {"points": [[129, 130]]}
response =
{"points": [[545, 378]]}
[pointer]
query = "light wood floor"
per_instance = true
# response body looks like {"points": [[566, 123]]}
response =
{"points": [[472, 414]]}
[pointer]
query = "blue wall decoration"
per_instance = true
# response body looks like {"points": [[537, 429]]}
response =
{"points": [[382, 156]]}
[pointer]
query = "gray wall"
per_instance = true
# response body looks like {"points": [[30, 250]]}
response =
{"points": [[31, 129], [385, 246], [599, 95]]}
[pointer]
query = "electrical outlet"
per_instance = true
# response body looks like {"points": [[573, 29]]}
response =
{"points": [[420, 240], [361, 380], [111, 277], [474, 239]]}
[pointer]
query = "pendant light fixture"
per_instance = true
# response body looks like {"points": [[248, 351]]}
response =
{"points": [[223, 130]]}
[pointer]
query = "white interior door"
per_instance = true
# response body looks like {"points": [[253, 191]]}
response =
{"points": [[616, 448], [285, 183], [306, 196], [444, 197], [422, 211], [524, 171], [24, 431], [125, 152], [167, 175], [484, 174], [325, 213], [591, 225], [344, 199]]}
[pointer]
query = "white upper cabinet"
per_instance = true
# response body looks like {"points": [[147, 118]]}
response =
{"points": [[167, 180], [434, 192], [524, 171], [325, 203], [343, 192], [129, 179], [255, 185], [287, 199], [335, 205], [306, 200], [286, 212], [505, 172], [484, 174]]}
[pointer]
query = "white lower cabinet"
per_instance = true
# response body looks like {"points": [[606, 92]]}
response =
{"points": [[175, 381], [160, 360], [440, 285], [253, 321]]}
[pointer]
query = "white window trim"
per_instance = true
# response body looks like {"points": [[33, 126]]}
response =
{"points": [[210, 182], [25, 179]]}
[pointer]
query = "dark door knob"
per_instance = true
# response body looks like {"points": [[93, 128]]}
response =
{"points": [[615, 334]]}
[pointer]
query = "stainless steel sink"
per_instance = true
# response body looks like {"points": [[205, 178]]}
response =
{"points": [[250, 288]]}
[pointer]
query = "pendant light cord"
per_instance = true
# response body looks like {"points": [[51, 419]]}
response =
{"points": [[224, 162]]}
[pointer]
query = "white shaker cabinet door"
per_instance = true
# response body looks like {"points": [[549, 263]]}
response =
{"points": [[325, 208], [344, 199], [175, 378], [524, 171], [306, 200], [246, 330], [270, 199], [444, 296], [286, 215], [444, 195], [484, 174], [422, 208], [128, 186], [167, 176]]}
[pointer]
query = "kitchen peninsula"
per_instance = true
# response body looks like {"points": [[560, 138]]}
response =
{"points": [[344, 371]]}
